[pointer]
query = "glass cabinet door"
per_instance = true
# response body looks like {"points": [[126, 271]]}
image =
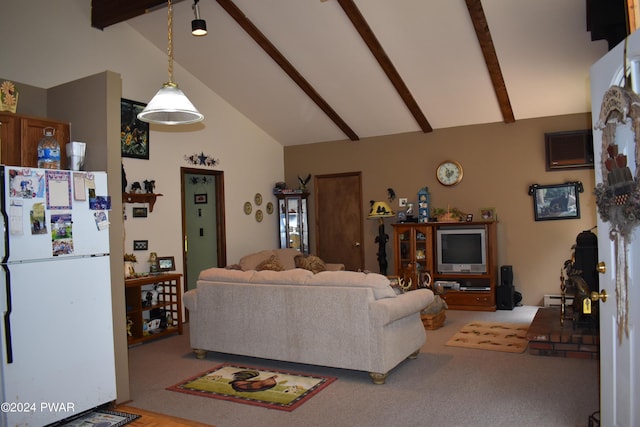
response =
{"points": [[414, 246], [293, 222]]}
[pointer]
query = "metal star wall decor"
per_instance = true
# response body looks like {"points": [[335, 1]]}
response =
{"points": [[200, 180], [201, 160]]}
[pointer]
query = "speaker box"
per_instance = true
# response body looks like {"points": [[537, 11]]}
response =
{"points": [[505, 291]]}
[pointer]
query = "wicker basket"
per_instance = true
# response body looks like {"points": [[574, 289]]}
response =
{"points": [[433, 321]]}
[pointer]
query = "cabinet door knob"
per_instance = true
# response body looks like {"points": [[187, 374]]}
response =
{"points": [[356, 244]]}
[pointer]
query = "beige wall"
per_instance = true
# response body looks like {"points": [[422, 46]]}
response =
{"points": [[500, 162]]}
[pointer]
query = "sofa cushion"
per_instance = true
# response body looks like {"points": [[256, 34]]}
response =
{"points": [[377, 282], [297, 276], [226, 275], [271, 263], [251, 261], [286, 257], [310, 262]]}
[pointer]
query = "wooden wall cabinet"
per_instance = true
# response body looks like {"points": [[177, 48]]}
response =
{"points": [[415, 255], [19, 137]]}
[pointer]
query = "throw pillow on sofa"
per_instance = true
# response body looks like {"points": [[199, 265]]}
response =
{"points": [[272, 263], [311, 263], [251, 261]]}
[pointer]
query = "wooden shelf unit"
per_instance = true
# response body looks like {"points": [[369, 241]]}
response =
{"points": [[169, 300], [141, 198], [415, 255]]}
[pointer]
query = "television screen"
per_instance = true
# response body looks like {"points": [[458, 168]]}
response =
{"points": [[462, 248]]}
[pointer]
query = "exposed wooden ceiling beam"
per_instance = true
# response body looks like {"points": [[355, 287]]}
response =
{"points": [[633, 15], [490, 58], [288, 68], [109, 12], [378, 52]]}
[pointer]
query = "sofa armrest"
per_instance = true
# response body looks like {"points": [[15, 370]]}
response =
{"points": [[190, 300], [334, 266], [387, 310]]}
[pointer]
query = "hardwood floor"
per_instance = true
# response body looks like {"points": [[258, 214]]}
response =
{"points": [[152, 419]]}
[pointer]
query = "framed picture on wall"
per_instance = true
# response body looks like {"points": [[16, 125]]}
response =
{"points": [[134, 133], [200, 199], [139, 212], [558, 201]]}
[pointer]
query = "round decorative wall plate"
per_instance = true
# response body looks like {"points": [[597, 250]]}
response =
{"points": [[269, 208], [247, 208], [258, 199], [259, 215]]}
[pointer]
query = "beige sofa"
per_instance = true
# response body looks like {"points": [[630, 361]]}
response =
{"points": [[340, 319]]}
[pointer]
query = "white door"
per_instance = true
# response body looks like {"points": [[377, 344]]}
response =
{"points": [[619, 315]]}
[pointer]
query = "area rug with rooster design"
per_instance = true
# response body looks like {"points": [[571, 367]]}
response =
{"points": [[269, 388], [509, 337]]}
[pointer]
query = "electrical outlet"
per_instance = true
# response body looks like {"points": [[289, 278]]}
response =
{"points": [[402, 202]]}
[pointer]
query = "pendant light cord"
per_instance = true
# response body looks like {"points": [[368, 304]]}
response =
{"points": [[170, 37]]}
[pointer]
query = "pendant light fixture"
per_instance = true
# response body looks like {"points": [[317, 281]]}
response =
{"points": [[170, 106], [198, 25]]}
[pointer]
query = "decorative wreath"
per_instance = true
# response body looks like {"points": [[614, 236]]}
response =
{"points": [[618, 196]]}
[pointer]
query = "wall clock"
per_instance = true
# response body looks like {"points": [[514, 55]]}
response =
{"points": [[449, 173]]}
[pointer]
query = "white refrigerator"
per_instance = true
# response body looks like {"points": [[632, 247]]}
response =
{"points": [[57, 333]]}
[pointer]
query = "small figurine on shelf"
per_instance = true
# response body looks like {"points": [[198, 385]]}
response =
{"points": [[129, 260], [149, 186], [136, 188]]}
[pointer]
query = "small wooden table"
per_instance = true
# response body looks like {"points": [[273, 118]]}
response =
{"points": [[167, 305]]}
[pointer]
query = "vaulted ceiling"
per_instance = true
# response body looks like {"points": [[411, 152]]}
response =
{"points": [[309, 71]]}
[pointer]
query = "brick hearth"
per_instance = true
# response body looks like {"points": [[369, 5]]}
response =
{"points": [[548, 338]]}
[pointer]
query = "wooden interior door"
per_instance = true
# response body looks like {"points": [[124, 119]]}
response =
{"points": [[339, 219]]}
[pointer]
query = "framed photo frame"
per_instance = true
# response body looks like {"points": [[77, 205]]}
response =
{"points": [[134, 133], [139, 212], [200, 199], [558, 201], [166, 263], [140, 245], [488, 214]]}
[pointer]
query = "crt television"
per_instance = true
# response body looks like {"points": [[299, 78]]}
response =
{"points": [[461, 250]]}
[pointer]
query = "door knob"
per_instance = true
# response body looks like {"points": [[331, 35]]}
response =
{"points": [[599, 296], [356, 244], [602, 267]]}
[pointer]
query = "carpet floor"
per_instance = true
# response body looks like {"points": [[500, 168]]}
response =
{"points": [[445, 386]]}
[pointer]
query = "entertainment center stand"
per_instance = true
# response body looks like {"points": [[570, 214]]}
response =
{"points": [[415, 254]]}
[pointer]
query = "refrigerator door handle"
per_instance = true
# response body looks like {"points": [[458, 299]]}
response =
{"points": [[5, 259], [7, 315]]}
